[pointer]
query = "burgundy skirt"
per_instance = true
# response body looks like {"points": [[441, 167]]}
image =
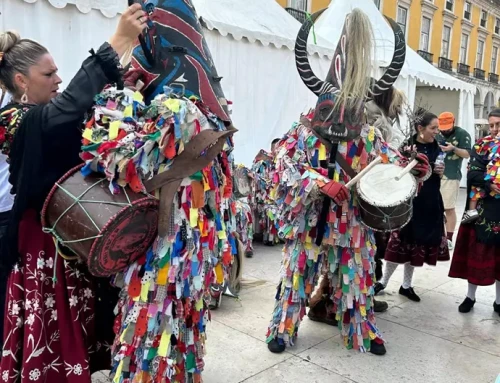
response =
{"points": [[49, 327], [416, 255], [474, 261]]}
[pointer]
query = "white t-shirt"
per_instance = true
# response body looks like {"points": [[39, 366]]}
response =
{"points": [[6, 199]]}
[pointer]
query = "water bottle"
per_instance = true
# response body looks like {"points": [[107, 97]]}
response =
{"points": [[440, 159]]}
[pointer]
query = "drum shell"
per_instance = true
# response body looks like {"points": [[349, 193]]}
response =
{"points": [[372, 216], [388, 215], [127, 222]]}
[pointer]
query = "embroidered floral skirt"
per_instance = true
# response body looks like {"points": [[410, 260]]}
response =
{"points": [[474, 261], [416, 255], [49, 328]]}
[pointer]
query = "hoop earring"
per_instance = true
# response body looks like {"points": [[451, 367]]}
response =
{"points": [[24, 98]]}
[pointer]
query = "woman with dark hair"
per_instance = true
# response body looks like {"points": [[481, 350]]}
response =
{"points": [[423, 240], [59, 319], [477, 254]]}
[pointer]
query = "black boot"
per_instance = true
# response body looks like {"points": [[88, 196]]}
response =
{"points": [[378, 287], [467, 305], [409, 293], [321, 312], [276, 347], [496, 307], [377, 349], [380, 306]]}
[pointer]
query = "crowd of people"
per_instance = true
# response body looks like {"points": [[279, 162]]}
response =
{"points": [[144, 316]]}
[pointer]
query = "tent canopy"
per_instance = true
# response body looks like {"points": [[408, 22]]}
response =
{"points": [[257, 20], [329, 26]]}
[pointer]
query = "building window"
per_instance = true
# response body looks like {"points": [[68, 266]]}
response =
{"points": [[497, 26], [377, 3], [484, 18], [449, 5], [467, 10], [479, 56], [494, 56], [464, 47], [301, 5], [402, 18], [424, 34], [445, 46]]}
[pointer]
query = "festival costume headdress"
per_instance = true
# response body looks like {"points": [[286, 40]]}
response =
{"points": [[341, 97], [175, 53]]}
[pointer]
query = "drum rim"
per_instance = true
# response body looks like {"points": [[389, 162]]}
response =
{"points": [[147, 198], [54, 188], [388, 231], [363, 196]]}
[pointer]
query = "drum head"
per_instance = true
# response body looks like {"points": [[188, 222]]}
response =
{"points": [[127, 236], [379, 186]]}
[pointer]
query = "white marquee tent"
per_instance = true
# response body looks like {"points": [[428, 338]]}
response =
{"points": [[424, 84], [252, 44]]}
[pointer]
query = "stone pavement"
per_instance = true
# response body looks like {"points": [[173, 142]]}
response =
{"points": [[427, 342]]}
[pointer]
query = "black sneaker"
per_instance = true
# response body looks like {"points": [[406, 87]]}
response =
{"points": [[409, 293], [380, 306], [377, 349], [496, 307], [467, 305], [378, 287], [276, 346], [249, 253]]}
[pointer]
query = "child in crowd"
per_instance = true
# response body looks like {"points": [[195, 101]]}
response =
{"points": [[487, 147]]}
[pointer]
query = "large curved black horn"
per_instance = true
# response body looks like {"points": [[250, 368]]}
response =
{"points": [[316, 85], [398, 59]]}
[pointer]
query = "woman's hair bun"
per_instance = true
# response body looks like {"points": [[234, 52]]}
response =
{"points": [[8, 40]]}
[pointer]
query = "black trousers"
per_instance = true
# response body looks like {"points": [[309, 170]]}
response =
{"points": [[381, 241]]}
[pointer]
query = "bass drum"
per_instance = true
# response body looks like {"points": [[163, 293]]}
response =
{"points": [[385, 203]]}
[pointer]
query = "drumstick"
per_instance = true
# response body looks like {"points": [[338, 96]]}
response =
{"points": [[362, 173], [407, 169]]}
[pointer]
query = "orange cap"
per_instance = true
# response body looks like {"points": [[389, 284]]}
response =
{"points": [[446, 121]]}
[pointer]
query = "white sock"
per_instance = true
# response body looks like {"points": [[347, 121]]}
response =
{"points": [[389, 269], [471, 292], [498, 292], [409, 269]]}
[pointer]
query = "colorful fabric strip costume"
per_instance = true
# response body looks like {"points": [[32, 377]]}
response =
{"points": [[163, 310], [318, 217]]}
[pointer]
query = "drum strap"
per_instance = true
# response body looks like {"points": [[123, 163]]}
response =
{"points": [[345, 166], [339, 158], [326, 201], [197, 155]]}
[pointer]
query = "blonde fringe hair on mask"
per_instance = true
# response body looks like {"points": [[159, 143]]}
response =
{"points": [[359, 61]]}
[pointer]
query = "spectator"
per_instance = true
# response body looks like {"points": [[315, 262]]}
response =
{"points": [[456, 143]]}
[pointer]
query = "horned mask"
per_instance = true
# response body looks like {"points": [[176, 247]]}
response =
{"points": [[173, 52], [339, 112]]}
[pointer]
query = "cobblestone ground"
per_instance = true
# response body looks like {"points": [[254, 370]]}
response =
{"points": [[427, 342]]}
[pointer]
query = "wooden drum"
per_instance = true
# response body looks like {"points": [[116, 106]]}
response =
{"points": [[386, 204], [108, 231]]}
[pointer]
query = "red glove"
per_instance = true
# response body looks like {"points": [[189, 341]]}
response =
{"points": [[336, 191], [423, 168]]}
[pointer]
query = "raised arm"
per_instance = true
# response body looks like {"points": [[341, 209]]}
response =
{"points": [[101, 68]]}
